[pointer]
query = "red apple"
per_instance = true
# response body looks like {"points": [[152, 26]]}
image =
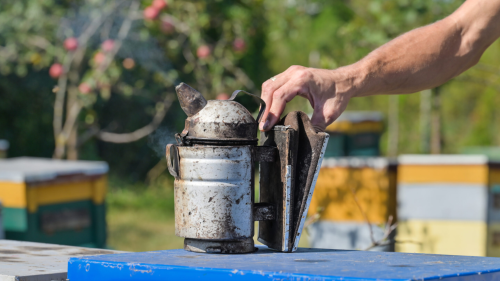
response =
{"points": [[222, 96], [108, 45], [99, 58], [159, 4], [71, 44], [239, 45], [167, 25], [56, 70], [203, 51], [84, 88], [150, 13], [128, 63]]}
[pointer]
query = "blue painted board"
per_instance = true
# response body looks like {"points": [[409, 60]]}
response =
{"points": [[265, 264]]}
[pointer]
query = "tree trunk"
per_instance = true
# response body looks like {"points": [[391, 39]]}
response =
{"points": [[425, 120], [60, 147], [72, 144], [436, 138], [392, 149]]}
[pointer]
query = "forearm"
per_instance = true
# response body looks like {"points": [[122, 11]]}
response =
{"points": [[420, 59], [428, 56]]}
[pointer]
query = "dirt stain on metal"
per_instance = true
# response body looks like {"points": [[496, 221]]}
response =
{"points": [[11, 252]]}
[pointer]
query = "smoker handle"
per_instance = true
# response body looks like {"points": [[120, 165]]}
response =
{"points": [[173, 160], [261, 101]]}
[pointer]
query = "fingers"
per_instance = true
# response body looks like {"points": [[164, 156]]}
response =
{"points": [[279, 99], [269, 90]]}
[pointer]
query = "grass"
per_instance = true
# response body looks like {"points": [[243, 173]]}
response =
{"points": [[141, 217]]}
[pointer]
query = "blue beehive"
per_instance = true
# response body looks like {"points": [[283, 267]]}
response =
{"points": [[264, 264]]}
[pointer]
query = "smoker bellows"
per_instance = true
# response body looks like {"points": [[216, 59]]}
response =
{"points": [[213, 166]]}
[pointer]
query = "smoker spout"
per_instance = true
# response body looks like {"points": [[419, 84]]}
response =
{"points": [[191, 100]]}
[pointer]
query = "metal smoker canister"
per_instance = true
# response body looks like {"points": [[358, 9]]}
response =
{"points": [[213, 166], [214, 186]]}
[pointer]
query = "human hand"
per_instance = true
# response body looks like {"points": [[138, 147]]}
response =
{"points": [[328, 91]]}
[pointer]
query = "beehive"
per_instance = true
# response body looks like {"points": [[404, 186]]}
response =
{"points": [[449, 204], [355, 133], [342, 181], [54, 201]]}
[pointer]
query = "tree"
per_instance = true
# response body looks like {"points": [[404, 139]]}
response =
{"points": [[99, 49]]}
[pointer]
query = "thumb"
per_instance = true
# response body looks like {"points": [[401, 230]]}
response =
{"points": [[318, 121]]}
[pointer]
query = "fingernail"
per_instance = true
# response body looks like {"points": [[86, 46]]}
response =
{"points": [[265, 125]]}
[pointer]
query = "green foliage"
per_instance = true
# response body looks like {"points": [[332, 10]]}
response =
{"points": [[120, 98], [276, 34], [330, 34], [124, 195]]}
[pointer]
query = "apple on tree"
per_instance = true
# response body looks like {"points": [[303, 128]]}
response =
{"points": [[159, 4], [108, 45], [239, 45], [150, 13], [71, 44], [99, 58], [203, 51], [56, 70], [84, 88]]}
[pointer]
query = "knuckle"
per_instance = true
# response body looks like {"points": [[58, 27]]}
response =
{"points": [[279, 95], [295, 67], [266, 87], [304, 74]]}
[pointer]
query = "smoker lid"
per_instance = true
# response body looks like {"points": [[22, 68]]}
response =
{"points": [[216, 122], [222, 120]]}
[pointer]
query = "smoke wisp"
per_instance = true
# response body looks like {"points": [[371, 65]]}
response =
{"points": [[159, 139]]}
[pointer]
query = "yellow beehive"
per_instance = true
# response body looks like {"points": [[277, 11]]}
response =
{"points": [[446, 205], [341, 180], [54, 201], [442, 237], [342, 184]]}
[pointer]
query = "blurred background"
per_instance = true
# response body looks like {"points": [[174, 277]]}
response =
{"points": [[94, 80]]}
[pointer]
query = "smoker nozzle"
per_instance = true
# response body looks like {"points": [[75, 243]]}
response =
{"points": [[190, 99]]}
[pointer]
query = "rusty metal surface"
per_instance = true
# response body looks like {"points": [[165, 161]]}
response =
{"points": [[190, 99], [289, 182], [219, 247], [303, 214], [277, 187], [263, 212], [312, 146], [214, 193], [213, 168], [216, 122], [261, 101], [222, 120], [265, 153]]}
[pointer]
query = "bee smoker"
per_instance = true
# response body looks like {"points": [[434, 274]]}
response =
{"points": [[213, 166]]}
